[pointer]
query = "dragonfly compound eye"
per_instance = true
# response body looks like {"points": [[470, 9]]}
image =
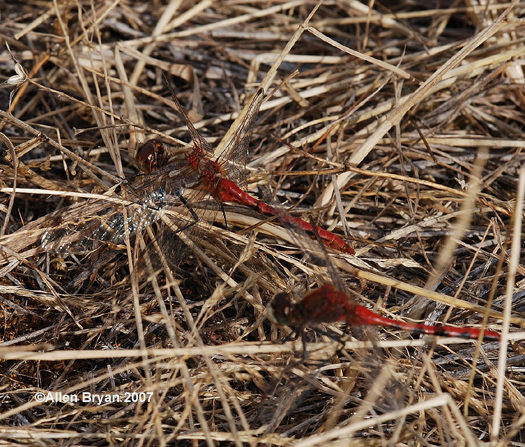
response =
{"points": [[280, 308], [151, 156]]}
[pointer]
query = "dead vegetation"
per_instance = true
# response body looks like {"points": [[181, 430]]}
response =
{"points": [[398, 127]]}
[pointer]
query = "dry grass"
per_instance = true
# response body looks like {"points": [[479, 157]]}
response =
{"points": [[401, 129]]}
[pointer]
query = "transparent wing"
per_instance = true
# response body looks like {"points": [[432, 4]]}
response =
{"points": [[235, 152], [196, 137], [83, 227]]}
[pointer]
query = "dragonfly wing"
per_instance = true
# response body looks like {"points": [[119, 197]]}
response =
{"points": [[80, 228], [83, 227], [235, 151], [196, 137]]}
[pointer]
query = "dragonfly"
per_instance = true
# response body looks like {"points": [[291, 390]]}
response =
{"points": [[169, 171], [327, 304]]}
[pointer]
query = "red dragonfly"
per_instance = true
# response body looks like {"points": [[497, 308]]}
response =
{"points": [[209, 175], [169, 171], [329, 305]]}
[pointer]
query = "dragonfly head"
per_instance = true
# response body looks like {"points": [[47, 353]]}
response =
{"points": [[151, 156], [280, 309]]}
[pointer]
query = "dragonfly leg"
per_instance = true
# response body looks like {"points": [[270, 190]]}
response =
{"points": [[303, 339], [224, 215], [178, 193]]}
